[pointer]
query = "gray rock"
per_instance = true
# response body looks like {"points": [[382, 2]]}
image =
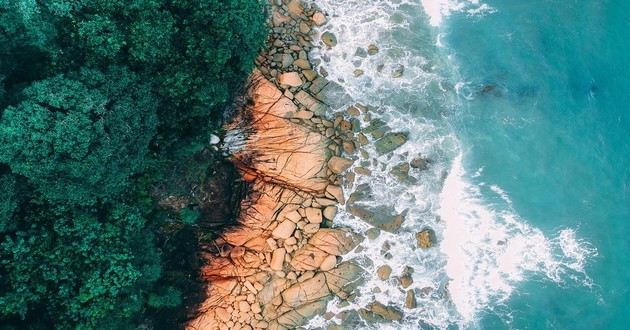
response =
{"points": [[390, 142]]}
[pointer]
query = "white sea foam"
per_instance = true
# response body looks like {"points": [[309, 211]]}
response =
{"points": [[438, 10], [489, 251], [484, 250]]}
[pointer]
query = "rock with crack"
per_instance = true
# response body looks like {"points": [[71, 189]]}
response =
{"points": [[273, 147]]}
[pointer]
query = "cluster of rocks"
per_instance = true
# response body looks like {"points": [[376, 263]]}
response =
{"points": [[283, 262]]}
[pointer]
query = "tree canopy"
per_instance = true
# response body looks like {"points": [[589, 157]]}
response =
{"points": [[99, 101]]}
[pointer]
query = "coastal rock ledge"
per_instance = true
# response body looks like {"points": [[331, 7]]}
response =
{"points": [[282, 264]]}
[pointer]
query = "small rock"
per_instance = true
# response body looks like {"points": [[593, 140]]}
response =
{"points": [[358, 72], [304, 114], [295, 8], [384, 272], [293, 216], [287, 60], [277, 259], [310, 75], [290, 79], [318, 19], [330, 212], [311, 228], [410, 299], [304, 28], [329, 39], [284, 230], [387, 312], [339, 164], [314, 215], [425, 238], [360, 52], [398, 72], [372, 233], [302, 64], [419, 163], [243, 306], [214, 139], [372, 50]]}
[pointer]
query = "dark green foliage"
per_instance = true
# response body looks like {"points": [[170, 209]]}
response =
{"points": [[102, 105], [189, 216], [80, 136], [83, 264], [8, 202]]}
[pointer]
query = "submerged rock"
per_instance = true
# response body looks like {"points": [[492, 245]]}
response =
{"points": [[390, 142], [381, 217], [329, 39], [372, 49], [387, 312]]}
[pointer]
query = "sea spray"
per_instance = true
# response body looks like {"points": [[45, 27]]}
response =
{"points": [[483, 250]]}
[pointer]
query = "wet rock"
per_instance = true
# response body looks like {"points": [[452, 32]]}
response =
{"points": [[360, 52], [390, 142], [419, 163], [387, 312], [310, 103], [383, 272], [398, 71], [425, 238], [329, 39], [344, 279], [382, 216], [410, 299], [302, 64], [406, 278], [304, 28], [287, 60], [358, 72], [373, 233], [310, 75], [372, 49], [401, 172]]}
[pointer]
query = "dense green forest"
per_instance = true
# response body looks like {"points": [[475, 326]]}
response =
{"points": [[106, 107]]}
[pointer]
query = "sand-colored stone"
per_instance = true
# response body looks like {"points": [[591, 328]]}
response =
{"points": [[277, 258], [339, 164], [290, 79], [284, 230], [277, 268]]}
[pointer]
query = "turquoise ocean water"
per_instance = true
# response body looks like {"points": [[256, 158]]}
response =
{"points": [[552, 128], [523, 108]]}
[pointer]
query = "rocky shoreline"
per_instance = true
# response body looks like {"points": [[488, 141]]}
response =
{"points": [[284, 261]]}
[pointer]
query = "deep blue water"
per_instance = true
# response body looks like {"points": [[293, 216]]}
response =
{"points": [[547, 118]]}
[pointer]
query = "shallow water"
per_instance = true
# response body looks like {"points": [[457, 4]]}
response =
{"points": [[522, 108]]}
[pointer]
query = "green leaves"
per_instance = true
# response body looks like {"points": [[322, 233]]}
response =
{"points": [[80, 136], [91, 93]]}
